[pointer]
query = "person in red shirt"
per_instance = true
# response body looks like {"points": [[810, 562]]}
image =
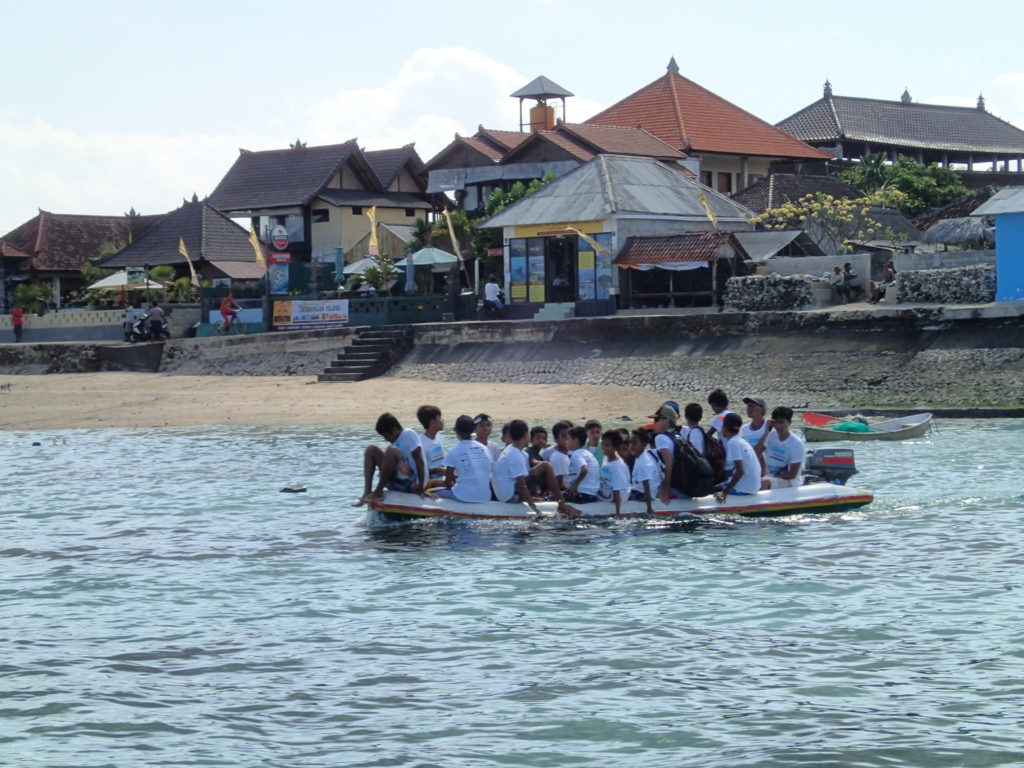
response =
{"points": [[17, 315], [228, 310]]}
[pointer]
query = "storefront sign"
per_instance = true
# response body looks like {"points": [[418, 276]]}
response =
{"points": [[279, 237], [303, 315]]}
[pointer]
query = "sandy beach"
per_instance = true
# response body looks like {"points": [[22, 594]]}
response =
{"points": [[95, 400]]}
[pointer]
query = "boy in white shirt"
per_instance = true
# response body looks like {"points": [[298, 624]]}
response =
{"points": [[484, 425], [510, 473], [401, 464], [719, 403], [614, 472], [584, 473], [783, 453], [745, 479], [558, 454], [467, 467], [646, 469], [433, 451]]}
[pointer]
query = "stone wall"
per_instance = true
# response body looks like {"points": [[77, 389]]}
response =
{"points": [[957, 285], [773, 292], [48, 358]]}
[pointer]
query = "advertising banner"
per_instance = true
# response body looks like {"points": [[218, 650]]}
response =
{"points": [[304, 315]]}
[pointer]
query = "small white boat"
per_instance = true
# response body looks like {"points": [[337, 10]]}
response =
{"points": [[812, 498], [904, 428]]}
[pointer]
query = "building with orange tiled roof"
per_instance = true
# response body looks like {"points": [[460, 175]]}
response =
{"points": [[733, 146]]}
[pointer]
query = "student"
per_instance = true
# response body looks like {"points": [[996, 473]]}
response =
{"points": [[467, 467], [692, 433], [662, 424], [584, 474], [593, 445], [719, 403], [837, 280], [538, 443], [483, 432], [557, 455], [429, 417], [646, 475], [625, 450], [614, 472], [754, 429], [783, 452], [509, 475], [745, 479], [401, 464]]}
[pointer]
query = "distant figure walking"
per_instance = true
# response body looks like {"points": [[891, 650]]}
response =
{"points": [[17, 318]]}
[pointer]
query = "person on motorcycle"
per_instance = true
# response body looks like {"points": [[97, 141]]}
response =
{"points": [[492, 295], [229, 309]]}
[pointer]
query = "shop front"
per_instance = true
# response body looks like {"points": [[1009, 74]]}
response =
{"points": [[569, 264]]}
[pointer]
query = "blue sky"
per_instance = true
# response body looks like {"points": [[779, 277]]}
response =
{"points": [[110, 104]]}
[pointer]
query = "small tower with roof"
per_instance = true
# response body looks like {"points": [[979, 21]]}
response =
{"points": [[542, 114]]}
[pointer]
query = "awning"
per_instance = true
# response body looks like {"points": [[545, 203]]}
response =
{"points": [[239, 270], [690, 250]]}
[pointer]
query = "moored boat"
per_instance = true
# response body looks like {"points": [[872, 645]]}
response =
{"points": [[811, 498], [903, 428]]}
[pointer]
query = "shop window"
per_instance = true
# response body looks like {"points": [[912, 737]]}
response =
{"points": [[321, 215]]}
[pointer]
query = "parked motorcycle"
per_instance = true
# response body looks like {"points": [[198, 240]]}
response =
{"points": [[141, 330]]}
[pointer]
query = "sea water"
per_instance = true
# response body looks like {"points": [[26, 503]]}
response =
{"points": [[163, 603]]}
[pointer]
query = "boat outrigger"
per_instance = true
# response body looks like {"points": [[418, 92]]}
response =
{"points": [[822, 491]]}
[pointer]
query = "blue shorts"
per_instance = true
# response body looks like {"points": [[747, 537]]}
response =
{"points": [[403, 479]]}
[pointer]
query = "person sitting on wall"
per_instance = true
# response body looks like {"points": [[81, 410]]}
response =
{"points": [[838, 282], [878, 289], [854, 288]]}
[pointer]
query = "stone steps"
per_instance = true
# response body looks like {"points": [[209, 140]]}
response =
{"points": [[372, 352]]}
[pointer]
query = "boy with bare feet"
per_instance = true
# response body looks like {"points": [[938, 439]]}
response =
{"points": [[400, 464]]}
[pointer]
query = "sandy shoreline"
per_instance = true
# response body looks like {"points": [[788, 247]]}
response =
{"points": [[139, 400]]}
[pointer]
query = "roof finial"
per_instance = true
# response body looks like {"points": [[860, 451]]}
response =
{"points": [[905, 98], [672, 66], [828, 89], [981, 102]]}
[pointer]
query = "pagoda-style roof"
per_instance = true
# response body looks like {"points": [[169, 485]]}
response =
{"points": [[776, 189], [62, 242], [208, 236], [693, 119], [542, 88], [905, 123]]}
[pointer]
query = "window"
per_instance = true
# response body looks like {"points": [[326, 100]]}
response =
{"points": [[410, 212], [321, 215], [705, 178], [357, 210], [724, 183]]}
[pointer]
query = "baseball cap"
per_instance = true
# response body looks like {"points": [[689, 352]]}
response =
{"points": [[480, 417], [464, 426], [666, 412], [757, 401]]}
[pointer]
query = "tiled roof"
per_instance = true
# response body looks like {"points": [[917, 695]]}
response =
{"points": [[208, 234], [466, 151], [965, 206], [8, 251], [281, 177], [534, 148], [386, 163], [689, 117], [368, 197], [690, 246], [507, 139], [905, 124], [583, 141], [776, 189], [59, 242]]}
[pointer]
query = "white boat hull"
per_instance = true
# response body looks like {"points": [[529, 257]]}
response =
{"points": [[813, 498]]}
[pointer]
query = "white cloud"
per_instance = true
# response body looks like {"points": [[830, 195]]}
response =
{"points": [[435, 93], [1006, 98]]}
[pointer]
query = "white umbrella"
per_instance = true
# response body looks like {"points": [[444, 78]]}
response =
{"points": [[119, 282], [358, 267], [429, 257]]}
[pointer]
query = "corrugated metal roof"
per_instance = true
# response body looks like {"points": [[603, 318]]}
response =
{"points": [[1009, 200], [613, 184], [763, 245]]}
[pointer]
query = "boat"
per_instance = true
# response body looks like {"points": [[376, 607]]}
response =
{"points": [[812, 498], [902, 428]]}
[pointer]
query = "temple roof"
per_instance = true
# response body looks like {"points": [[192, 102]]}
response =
{"points": [[692, 118], [776, 189], [904, 123], [542, 88]]}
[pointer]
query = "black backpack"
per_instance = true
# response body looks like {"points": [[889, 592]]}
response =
{"points": [[715, 453], [692, 473]]}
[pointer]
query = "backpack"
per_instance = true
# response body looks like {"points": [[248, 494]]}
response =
{"points": [[715, 453], [692, 473]]}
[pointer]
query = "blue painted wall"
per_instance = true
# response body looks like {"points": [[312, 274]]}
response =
{"points": [[1010, 256]]}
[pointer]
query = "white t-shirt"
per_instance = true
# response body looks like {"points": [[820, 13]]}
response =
{"points": [[433, 452], [779, 454], [741, 450], [646, 467], [407, 442], [559, 463], [510, 465], [472, 465], [592, 482], [491, 291], [493, 449], [614, 477], [751, 435], [716, 422], [694, 437]]}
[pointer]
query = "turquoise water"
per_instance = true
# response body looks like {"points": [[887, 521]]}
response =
{"points": [[163, 604]]}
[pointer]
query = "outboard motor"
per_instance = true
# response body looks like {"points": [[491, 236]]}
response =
{"points": [[830, 465]]}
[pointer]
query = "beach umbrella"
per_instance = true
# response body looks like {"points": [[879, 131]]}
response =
{"points": [[429, 257], [410, 275], [358, 267], [119, 282]]}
